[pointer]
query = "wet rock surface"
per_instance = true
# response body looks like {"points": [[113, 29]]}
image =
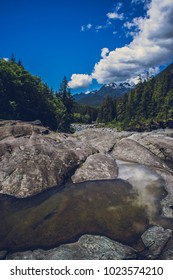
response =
{"points": [[33, 159]]}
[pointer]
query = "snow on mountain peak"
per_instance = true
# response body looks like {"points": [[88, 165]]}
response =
{"points": [[118, 86]]}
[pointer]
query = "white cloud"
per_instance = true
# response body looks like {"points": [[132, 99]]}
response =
{"points": [[115, 15], [104, 52], [6, 58], [80, 81], [99, 27], [89, 26], [145, 2], [151, 46], [86, 27], [138, 1], [135, 23], [118, 6], [105, 26]]}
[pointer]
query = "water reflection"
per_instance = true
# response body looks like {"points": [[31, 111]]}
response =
{"points": [[107, 207], [121, 210], [146, 182]]}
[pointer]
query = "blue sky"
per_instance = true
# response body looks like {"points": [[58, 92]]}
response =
{"points": [[91, 42]]}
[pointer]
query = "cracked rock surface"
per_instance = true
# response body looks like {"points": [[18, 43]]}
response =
{"points": [[96, 167]]}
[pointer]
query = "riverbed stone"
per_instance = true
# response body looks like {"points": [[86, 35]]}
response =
{"points": [[96, 167], [167, 253], [33, 159], [130, 150], [161, 146], [155, 239], [88, 247], [31, 162], [100, 139]]}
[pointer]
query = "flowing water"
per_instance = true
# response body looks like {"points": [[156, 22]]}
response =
{"points": [[113, 208]]}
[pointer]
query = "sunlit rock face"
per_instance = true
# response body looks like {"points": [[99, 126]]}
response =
{"points": [[31, 161]]}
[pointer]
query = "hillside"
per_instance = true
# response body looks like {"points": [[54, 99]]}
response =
{"points": [[149, 105], [25, 97]]}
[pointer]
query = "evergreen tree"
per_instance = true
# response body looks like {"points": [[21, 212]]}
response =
{"points": [[65, 96], [12, 58], [25, 97], [107, 111]]}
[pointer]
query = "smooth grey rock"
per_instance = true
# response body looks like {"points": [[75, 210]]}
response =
{"points": [[96, 167], [89, 247], [101, 140], [167, 202], [155, 238], [31, 162], [130, 150], [159, 144], [167, 253]]}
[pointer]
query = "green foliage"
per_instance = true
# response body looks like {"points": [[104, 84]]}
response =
{"points": [[65, 96], [84, 113], [148, 106], [107, 111], [25, 97]]}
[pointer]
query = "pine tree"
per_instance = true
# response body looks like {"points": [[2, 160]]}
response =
{"points": [[65, 96], [12, 58]]}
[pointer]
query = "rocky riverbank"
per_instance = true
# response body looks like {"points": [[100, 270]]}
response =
{"points": [[34, 159]]}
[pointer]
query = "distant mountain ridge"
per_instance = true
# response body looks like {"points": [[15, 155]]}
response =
{"points": [[148, 106], [96, 97]]}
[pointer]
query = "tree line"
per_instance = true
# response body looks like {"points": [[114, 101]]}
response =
{"points": [[25, 97], [148, 106]]}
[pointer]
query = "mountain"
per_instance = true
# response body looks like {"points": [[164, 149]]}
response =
{"points": [[96, 97], [148, 106]]}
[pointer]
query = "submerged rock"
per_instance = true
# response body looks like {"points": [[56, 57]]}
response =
{"points": [[105, 207], [3, 254], [89, 247]]}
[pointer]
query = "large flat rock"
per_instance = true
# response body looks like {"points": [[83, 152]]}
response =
{"points": [[31, 161], [129, 150]]}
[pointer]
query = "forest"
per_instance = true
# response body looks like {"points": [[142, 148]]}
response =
{"points": [[148, 106], [26, 97]]}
